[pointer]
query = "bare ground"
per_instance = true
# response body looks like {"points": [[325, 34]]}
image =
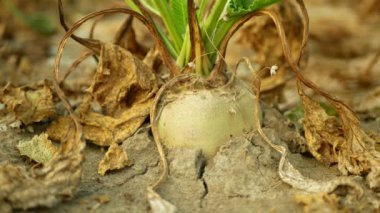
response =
{"points": [[242, 177]]}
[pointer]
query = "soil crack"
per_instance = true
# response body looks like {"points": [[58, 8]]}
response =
{"points": [[204, 183]]}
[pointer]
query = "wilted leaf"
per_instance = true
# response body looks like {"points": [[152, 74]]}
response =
{"points": [[115, 158], [121, 80], [124, 86], [345, 143], [46, 186], [322, 132], [30, 104], [39, 148]]}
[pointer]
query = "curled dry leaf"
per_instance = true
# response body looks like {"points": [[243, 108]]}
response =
{"points": [[323, 134], [46, 186], [39, 148], [30, 104], [115, 158], [121, 80], [346, 144], [124, 86], [293, 177]]}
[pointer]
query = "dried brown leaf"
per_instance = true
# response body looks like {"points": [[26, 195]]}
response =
{"points": [[39, 148], [30, 104], [322, 132], [261, 36], [124, 86], [100, 129], [115, 158], [46, 186], [347, 144], [121, 80], [126, 38]]}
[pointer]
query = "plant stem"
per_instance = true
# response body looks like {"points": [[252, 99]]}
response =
{"points": [[184, 55]]}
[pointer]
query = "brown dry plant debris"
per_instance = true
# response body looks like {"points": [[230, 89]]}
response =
{"points": [[29, 104], [115, 158], [21, 188], [346, 144], [261, 36], [358, 154], [320, 202], [265, 45], [287, 172], [39, 148], [124, 86]]}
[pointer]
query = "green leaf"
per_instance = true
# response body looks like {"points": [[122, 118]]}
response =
{"points": [[202, 7], [242, 7], [179, 13], [132, 5]]}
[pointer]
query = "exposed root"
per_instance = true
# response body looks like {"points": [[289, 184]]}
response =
{"points": [[93, 26], [89, 43], [305, 33]]}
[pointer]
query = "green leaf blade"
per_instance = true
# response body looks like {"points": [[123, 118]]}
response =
{"points": [[179, 13], [243, 7]]}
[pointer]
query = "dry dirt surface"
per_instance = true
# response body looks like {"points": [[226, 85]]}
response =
{"points": [[242, 177], [343, 59]]}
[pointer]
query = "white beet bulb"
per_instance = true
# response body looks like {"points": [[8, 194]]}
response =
{"points": [[207, 118]]}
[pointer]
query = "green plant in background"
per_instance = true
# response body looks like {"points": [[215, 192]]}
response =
{"points": [[39, 22]]}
